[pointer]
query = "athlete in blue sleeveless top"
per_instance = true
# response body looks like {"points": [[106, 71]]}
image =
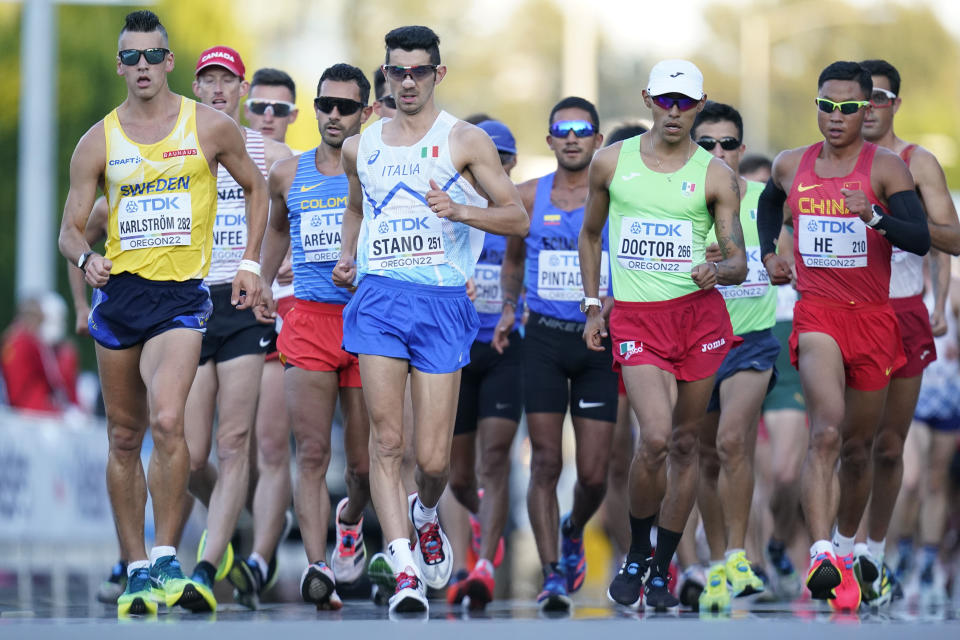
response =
{"points": [[559, 370], [413, 188], [308, 195], [491, 402]]}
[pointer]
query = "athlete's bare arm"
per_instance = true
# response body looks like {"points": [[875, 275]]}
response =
{"points": [[223, 136], [95, 232], [935, 195], [590, 242], [772, 210], [345, 272], [477, 159], [723, 199], [276, 239], [86, 176]]}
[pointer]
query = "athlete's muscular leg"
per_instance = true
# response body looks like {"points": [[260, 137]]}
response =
{"points": [[237, 409], [356, 444], [384, 380], [435, 397], [496, 440], [935, 508], [682, 459], [546, 463], [708, 494], [593, 439], [273, 491], [789, 436], [821, 374], [741, 397], [198, 430], [312, 398], [125, 400], [463, 474], [864, 410], [615, 508], [888, 453], [653, 394], [168, 363]]}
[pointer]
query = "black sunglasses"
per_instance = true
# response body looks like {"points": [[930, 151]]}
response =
{"points": [[727, 143], [131, 57], [417, 72], [388, 101], [345, 106]]}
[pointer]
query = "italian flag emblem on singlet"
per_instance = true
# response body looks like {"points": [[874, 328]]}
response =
{"points": [[429, 152]]}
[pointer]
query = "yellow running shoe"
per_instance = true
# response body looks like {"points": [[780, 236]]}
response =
{"points": [[137, 599], [170, 585], [743, 581], [226, 562], [715, 597]]}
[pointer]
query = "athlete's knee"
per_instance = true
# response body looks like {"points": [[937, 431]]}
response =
{"points": [[166, 426], [232, 445], [387, 445], [653, 448], [888, 449], [545, 466], [313, 454], [684, 446], [125, 440], [732, 447], [273, 452], [709, 464], [855, 454], [462, 480], [495, 462], [826, 441]]}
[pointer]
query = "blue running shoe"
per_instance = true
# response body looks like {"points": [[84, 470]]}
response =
{"points": [[573, 558], [554, 598], [170, 585], [137, 598]]}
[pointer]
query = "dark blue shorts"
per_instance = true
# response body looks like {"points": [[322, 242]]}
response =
{"points": [[129, 310], [758, 352], [432, 327]]}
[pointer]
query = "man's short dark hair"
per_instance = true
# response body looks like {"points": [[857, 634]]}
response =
{"points": [[477, 118], [274, 78], [143, 22], [885, 69], [846, 70], [342, 72], [413, 38], [573, 102], [718, 112], [754, 162], [624, 132], [379, 84]]}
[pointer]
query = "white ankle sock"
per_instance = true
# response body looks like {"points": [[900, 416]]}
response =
{"points": [[400, 556], [137, 564], [821, 546], [422, 514], [842, 544], [877, 548], [161, 552], [262, 564]]}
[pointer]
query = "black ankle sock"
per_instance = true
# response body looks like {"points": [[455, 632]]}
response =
{"points": [[667, 542], [640, 537], [208, 570], [551, 567], [568, 529]]}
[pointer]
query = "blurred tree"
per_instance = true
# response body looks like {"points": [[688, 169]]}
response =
{"points": [[908, 36]]}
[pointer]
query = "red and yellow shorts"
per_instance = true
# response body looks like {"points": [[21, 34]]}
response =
{"points": [[311, 339]]}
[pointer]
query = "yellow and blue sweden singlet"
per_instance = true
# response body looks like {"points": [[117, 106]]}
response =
{"points": [[162, 199]]}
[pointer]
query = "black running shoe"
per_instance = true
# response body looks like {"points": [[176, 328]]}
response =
{"points": [[627, 585], [657, 594]]}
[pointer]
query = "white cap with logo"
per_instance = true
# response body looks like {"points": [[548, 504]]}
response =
{"points": [[675, 76]]}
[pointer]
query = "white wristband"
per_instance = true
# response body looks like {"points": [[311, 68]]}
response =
{"points": [[251, 266]]}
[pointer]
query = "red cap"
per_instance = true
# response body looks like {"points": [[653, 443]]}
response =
{"points": [[221, 56]]}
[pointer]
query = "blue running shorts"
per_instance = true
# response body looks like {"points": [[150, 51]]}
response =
{"points": [[432, 327], [129, 310], [758, 352]]}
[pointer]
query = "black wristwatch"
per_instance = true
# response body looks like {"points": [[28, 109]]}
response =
{"points": [[82, 262]]}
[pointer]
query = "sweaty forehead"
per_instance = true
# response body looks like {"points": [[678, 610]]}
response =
{"points": [[716, 129], [271, 92], [571, 113], [840, 90], [141, 40], [409, 58]]}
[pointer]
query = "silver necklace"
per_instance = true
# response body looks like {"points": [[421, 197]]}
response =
{"points": [[653, 150]]}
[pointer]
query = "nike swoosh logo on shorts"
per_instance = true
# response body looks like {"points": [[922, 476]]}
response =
{"points": [[806, 187], [502, 406], [590, 405], [264, 342]]}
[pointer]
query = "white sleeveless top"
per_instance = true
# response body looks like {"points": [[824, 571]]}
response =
{"points": [[401, 237], [230, 227], [906, 274]]}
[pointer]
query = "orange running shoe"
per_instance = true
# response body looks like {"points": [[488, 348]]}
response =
{"points": [[848, 592]]}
